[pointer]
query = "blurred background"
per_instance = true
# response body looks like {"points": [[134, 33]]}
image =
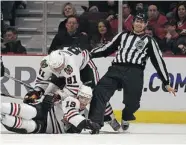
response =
{"points": [[39, 27]]}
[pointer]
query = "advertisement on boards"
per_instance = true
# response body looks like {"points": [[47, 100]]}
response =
{"points": [[155, 96]]}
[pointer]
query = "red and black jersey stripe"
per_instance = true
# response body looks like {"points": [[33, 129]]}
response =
{"points": [[71, 113]]}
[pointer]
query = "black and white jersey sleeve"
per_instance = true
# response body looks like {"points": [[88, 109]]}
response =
{"points": [[157, 61], [108, 48]]}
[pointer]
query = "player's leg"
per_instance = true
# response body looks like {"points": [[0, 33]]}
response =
{"points": [[21, 110], [23, 126], [18, 124], [102, 94], [91, 75], [133, 85], [109, 117]]}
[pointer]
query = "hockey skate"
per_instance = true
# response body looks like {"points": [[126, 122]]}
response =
{"points": [[124, 125], [114, 124]]}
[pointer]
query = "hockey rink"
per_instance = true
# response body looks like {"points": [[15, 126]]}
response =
{"points": [[137, 134]]}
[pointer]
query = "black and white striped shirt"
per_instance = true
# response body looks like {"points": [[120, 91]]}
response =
{"points": [[133, 49]]}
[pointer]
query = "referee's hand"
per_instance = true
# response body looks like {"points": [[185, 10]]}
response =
{"points": [[171, 90]]}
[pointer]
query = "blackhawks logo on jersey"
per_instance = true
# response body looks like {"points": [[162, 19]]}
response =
{"points": [[43, 63], [68, 69]]}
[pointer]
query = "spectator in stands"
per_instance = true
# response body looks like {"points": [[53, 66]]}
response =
{"points": [[175, 43], [3, 26], [149, 31], [8, 10], [157, 21], [181, 16], [70, 36], [103, 34], [69, 10], [109, 6], [21, 4], [127, 19], [11, 44], [172, 11], [139, 8]]}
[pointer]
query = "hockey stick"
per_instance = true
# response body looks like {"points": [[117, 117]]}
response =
{"points": [[16, 80], [10, 96]]}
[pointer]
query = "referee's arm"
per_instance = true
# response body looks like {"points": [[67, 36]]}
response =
{"points": [[107, 49], [158, 62]]}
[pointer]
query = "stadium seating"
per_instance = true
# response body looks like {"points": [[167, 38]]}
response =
{"points": [[29, 22]]}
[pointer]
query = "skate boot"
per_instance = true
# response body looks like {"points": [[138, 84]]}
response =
{"points": [[114, 124], [124, 125]]}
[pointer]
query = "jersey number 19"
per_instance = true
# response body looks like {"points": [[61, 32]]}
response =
{"points": [[70, 104]]}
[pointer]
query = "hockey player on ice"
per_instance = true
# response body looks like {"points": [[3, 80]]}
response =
{"points": [[65, 66], [49, 115]]}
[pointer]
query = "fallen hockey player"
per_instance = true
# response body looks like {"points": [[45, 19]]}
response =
{"points": [[49, 114]]}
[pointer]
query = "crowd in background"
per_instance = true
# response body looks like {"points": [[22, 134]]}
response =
{"points": [[9, 41], [99, 23]]}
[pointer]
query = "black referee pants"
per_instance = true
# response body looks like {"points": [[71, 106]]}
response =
{"points": [[130, 78]]}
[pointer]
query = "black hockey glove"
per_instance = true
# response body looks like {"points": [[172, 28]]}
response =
{"points": [[32, 96]]}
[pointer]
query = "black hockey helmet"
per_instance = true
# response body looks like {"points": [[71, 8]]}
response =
{"points": [[141, 16]]}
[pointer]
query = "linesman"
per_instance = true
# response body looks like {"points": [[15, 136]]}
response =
{"points": [[132, 52]]}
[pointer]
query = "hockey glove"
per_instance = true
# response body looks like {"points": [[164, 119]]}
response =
{"points": [[31, 96]]}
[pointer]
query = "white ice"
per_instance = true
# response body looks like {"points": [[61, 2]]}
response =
{"points": [[137, 134]]}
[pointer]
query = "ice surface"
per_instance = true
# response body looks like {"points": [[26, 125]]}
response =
{"points": [[137, 134]]}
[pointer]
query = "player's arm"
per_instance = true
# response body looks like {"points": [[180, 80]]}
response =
{"points": [[46, 82], [107, 49], [72, 115]]}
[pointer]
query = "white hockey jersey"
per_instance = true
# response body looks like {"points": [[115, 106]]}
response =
{"points": [[63, 115], [75, 60], [72, 112]]}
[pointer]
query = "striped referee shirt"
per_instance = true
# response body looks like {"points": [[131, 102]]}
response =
{"points": [[133, 49]]}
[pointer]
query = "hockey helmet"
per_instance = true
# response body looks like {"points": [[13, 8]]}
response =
{"points": [[56, 60], [84, 95]]}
